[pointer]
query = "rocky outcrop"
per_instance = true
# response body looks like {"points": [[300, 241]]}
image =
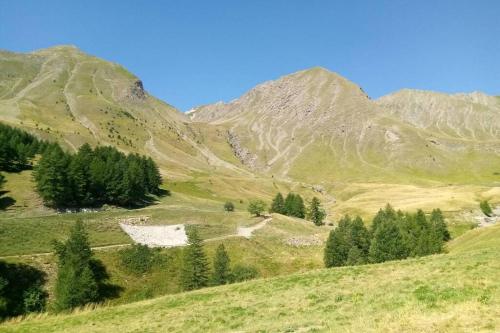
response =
{"points": [[136, 91], [243, 154]]}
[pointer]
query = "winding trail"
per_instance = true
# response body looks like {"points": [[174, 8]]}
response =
{"points": [[241, 232]]}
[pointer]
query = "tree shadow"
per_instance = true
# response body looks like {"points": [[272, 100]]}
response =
{"points": [[21, 289], [106, 290], [6, 202]]}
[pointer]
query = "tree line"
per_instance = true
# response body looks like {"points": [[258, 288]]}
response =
{"points": [[392, 236], [93, 177], [293, 205], [17, 149]]}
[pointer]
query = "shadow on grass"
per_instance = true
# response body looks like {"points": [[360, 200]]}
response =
{"points": [[5, 202], [106, 290], [21, 287]]}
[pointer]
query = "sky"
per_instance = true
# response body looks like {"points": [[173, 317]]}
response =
{"points": [[190, 53]]}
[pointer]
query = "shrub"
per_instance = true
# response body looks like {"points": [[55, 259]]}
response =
{"points": [[139, 259], [241, 273], [486, 208], [229, 206]]}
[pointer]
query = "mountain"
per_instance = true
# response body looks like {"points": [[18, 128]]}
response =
{"points": [[312, 126], [315, 125], [63, 94]]}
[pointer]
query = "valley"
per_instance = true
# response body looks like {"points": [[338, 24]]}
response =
{"points": [[314, 133]]}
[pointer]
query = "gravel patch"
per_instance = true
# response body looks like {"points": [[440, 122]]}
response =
{"points": [[157, 235]]}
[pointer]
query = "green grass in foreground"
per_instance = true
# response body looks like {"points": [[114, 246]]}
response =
{"points": [[455, 292]]}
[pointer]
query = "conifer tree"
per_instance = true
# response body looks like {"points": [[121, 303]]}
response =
{"points": [[359, 237], [278, 204], [195, 270], [79, 176], [316, 214], [221, 272], [387, 243], [76, 284], [337, 246], [51, 177], [437, 220]]}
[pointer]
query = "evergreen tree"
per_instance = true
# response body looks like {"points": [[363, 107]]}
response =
{"points": [[359, 237], [337, 246], [278, 204], [76, 284], [316, 214], [387, 242], [79, 176], [221, 272], [51, 177], [355, 257], [294, 206], [195, 265], [437, 220]]}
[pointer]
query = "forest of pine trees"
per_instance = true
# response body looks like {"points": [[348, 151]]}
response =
{"points": [[292, 205], [17, 148], [392, 236], [94, 177], [91, 177]]}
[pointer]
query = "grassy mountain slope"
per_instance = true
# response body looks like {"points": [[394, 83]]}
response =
{"points": [[314, 126], [63, 94], [455, 292]]}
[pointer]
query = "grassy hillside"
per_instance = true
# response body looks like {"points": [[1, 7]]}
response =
{"points": [[454, 292]]}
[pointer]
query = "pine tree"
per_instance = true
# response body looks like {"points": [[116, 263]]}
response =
{"points": [[316, 214], [437, 220], [51, 177], [76, 284], [359, 237], [278, 204], [195, 265], [294, 206], [387, 243], [289, 204], [79, 176], [337, 246], [355, 257], [221, 272]]}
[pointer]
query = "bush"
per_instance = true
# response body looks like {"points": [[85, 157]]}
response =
{"points": [[139, 259], [241, 273], [229, 206], [486, 208], [256, 207]]}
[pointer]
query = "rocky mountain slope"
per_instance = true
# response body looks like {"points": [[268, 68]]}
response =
{"points": [[312, 126], [315, 125]]}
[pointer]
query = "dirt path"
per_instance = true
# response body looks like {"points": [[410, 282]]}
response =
{"points": [[159, 236], [40, 254]]}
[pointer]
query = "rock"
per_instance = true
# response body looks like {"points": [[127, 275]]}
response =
{"points": [[318, 188], [136, 91], [243, 154]]}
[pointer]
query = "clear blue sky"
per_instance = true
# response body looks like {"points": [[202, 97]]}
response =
{"points": [[196, 52]]}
